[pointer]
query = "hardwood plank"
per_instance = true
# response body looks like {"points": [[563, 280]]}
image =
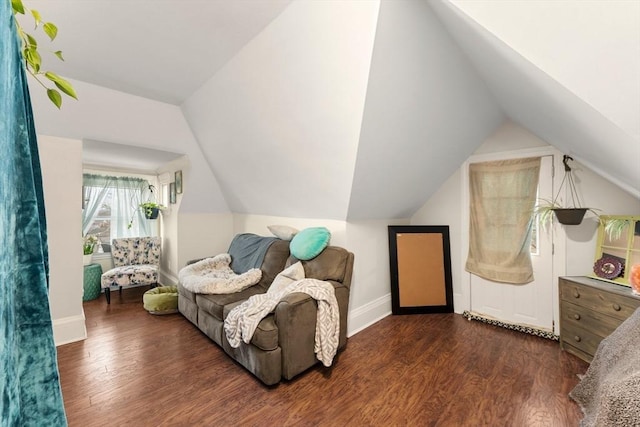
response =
{"points": [[429, 370]]}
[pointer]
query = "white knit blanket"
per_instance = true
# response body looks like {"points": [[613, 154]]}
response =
{"points": [[242, 321], [215, 276]]}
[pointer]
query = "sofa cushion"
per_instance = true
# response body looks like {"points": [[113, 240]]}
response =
{"points": [[265, 336], [274, 262], [308, 243], [331, 264], [291, 274], [214, 304], [283, 232]]}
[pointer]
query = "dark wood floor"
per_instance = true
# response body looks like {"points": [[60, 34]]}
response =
{"points": [[136, 369]]}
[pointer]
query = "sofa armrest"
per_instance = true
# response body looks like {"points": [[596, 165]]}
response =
{"points": [[295, 317], [193, 261]]}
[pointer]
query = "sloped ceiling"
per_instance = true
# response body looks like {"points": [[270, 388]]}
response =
{"points": [[426, 111], [162, 50], [601, 134], [280, 122], [352, 109]]}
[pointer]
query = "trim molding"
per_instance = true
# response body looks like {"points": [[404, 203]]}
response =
{"points": [[531, 330], [167, 279], [362, 317], [69, 329]]}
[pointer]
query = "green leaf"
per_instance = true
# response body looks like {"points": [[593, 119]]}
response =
{"points": [[50, 29], [17, 6], [36, 17], [55, 97], [33, 59], [66, 87], [62, 84], [58, 53], [36, 60], [31, 42], [52, 76]]}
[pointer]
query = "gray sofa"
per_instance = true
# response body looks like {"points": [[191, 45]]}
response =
{"points": [[282, 345]]}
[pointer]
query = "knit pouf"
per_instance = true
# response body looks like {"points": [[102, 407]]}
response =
{"points": [[161, 300]]}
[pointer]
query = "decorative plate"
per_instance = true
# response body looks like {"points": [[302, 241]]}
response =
{"points": [[608, 267]]}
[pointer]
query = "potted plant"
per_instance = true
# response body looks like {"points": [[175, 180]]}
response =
{"points": [[151, 209], [572, 215], [546, 210], [88, 246]]}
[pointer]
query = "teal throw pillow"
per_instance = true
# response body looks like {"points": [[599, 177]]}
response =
{"points": [[308, 243]]}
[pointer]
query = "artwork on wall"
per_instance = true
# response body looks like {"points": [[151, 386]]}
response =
{"points": [[172, 193], [420, 262], [618, 249], [178, 182]]}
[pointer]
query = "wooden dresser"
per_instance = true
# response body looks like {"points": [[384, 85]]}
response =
{"points": [[590, 310]]}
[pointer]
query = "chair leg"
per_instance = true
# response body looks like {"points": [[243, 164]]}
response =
{"points": [[120, 291], [107, 294]]}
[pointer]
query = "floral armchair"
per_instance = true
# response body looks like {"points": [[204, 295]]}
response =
{"points": [[136, 262]]}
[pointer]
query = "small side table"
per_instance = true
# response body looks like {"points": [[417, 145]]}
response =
{"points": [[92, 273]]}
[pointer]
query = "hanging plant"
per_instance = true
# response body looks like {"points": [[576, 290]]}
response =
{"points": [[151, 208], [32, 58], [614, 227], [572, 215]]}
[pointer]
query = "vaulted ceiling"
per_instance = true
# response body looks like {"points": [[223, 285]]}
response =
{"points": [[347, 109]]}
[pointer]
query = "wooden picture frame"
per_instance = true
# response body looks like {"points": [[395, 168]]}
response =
{"points": [[178, 181], [172, 193], [420, 267]]}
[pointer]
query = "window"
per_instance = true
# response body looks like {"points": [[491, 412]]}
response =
{"points": [[110, 208]]}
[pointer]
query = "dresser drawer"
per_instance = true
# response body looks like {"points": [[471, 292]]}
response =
{"points": [[611, 304], [579, 338], [590, 320]]}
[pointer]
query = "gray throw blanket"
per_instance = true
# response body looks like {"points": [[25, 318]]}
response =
{"points": [[247, 251], [609, 393]]}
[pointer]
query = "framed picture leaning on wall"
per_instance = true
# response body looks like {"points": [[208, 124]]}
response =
{"points": [[172, 193], [178, 181]]}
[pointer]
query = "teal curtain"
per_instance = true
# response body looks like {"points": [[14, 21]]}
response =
{"points": [[29, 380]]}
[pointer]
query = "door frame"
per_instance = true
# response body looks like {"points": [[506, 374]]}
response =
{"points": [[558, 235]]}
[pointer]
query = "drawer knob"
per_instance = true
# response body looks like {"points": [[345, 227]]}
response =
{"points": [[616, 307], [576, 294], [577, 338], [576, 316]]}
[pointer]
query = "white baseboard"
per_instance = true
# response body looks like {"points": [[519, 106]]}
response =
{"points": [[69, 329], [362, 317], [167, 279]]}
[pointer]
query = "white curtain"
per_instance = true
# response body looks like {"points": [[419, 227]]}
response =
{"points": [[502, 198], [127, 219], [93, 199]]}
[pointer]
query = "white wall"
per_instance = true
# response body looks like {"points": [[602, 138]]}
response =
{"points": [[370, 296], [609, 199], [286, 110], [103, 114], [421, 89], [61, 161], [576, 243], [591, 47]]}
